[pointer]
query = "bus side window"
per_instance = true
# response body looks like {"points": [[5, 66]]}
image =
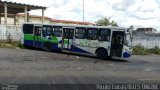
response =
{"points": [[92, 33], [47, 30], [44, 32], [104, 34], [57, 31], [68, 33], [80, 33], [38, 31]]}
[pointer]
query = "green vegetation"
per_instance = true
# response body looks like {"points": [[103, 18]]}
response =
{"points": [[10, 44], [140, 50], [106, 22]]}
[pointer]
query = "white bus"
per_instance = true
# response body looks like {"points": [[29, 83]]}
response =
{"points": [[101, 41]]}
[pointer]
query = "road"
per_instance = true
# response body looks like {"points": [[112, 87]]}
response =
{"points": [[22, 66]]}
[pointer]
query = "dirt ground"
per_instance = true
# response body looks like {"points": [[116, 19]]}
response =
{"points": [[23, 66]]}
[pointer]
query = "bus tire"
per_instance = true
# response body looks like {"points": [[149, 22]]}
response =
{"points": [[102, 54], [48, 47]]}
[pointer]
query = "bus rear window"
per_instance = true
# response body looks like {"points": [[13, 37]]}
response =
{"points": [[28, 29]]}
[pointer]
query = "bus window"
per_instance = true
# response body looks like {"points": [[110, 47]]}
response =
{"points": [[28, 28], [47, 31], [68, 33], [104, 34], [57, 31], [80, 33], [37, 31], [92, 33]]}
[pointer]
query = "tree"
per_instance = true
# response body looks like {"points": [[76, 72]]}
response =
{"points": [[106, 22]]}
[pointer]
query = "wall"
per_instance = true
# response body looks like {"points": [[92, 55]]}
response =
{"points": [[2, 32], [146, 40], [15, 32]]}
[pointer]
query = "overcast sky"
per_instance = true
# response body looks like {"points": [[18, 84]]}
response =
{"points": [[142, 13]]}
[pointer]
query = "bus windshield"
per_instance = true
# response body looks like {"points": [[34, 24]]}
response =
{"points": [[128, 40]]}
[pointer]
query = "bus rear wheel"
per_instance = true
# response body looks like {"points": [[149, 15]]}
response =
{"points": [[102, 54], [48, 47]]}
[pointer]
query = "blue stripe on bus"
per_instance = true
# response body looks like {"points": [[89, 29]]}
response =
{"points": [[54, 46], [28, 43], [126, 55], [39, 44], [76, 49]]}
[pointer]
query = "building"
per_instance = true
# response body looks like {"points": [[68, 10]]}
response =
{"points": [[9, 15], [11, 20], [35, 18], [146, 30], [19, 20], [12, 8]]}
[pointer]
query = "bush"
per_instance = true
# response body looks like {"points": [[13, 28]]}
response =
{"points": [[10, 44], [140, 50], [155, 50]]}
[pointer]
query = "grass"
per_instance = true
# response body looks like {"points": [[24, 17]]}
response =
{"points": [[140, 50], [10, 44]]}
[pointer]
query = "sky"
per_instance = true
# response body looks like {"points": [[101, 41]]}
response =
{"points": [[139, 13]]}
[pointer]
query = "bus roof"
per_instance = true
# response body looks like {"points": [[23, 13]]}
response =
{"points": [[71, 25]]}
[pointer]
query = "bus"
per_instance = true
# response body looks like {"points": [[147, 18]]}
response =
{"points": [[102, 41]]}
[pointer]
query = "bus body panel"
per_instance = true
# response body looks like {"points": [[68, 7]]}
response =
{"points": [[126, 52], [68, 40]]}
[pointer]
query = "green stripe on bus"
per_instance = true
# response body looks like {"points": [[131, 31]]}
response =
{"points": [[28, 37], [43, 39], [54, 39]]}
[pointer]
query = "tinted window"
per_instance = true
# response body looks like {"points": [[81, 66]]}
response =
{"points": [[104, 34], [57, 31], [68, 33], [80, 33], [28, 29], [92, 33], [37, 30], [47, 31]]}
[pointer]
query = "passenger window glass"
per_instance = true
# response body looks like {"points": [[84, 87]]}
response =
{"points": [[57, 31], [38, 31], [80, 33], [104, 34], [47, 31], [68, 33], [92, 33]]}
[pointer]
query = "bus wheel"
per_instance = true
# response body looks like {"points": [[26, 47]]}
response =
{"points": [[102, 54], [48, 47]]}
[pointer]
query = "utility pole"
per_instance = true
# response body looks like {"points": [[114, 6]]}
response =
{"points": [[83, 11]]}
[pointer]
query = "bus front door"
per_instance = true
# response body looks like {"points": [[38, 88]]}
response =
{"points": [[67, 38], [37, 36], [117, 43]]}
